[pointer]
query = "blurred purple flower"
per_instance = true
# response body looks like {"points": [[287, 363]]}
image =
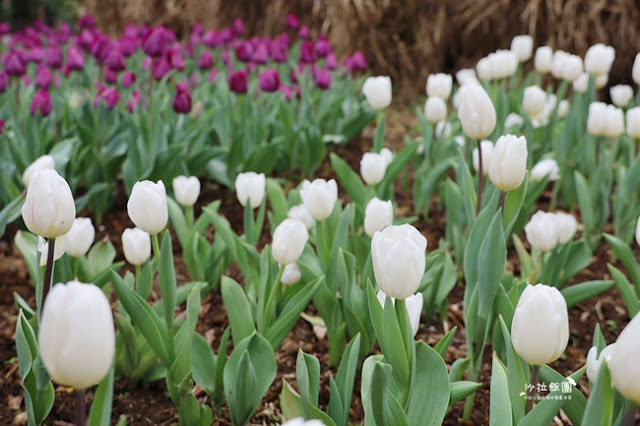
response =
{"points": [[293, 22], [129, 45], [87, 21], [110, 96], [323, 78], [43, 77], [212, 75], [128, 78], [35, 54], [286, 91], [322, 47], [131, 30], [237, 27], [155, 41], [161, 67], [307, 53], [269, 80], [238, 81], [226, 35], [14, 64], [146, 63], [110, 76], [244, 51], [356, 62], [5, 28], [261, 54], [41, 103], [134, 101], [175, 59], [54, 57], [4, 81], [115, 60], [26, 80], [182, 99], [304, 32], [206, 60], [75, 59], [331, 62], [100, 47], [212, 38]]}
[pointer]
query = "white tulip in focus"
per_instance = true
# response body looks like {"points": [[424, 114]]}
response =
{"points": [[547, 167], [251, 186], [373, 166], [443, 129], [635, 71], [398, 255], [136, 245], [533, 100], [540, 327], [186, 189], [289, 240], [147, 206], [49, 208], [76, 337], [623, 362], [614, 120], [439, 85], [566, 226], [477, 113], [598, 59], [522, 47], [633, 122], [543, 58], [621, 95], [508, 162], [387, 154], [319, 197], [291, 274], [513, 120], [58, 251], [563, 108], [377, 216], [377, 90], [466, 76], [414, 305], [300, 213], [487, 149], [80, 237], [581, 83], [42, 163], [594, 360], [601, 80], [541, 231], [435, 109], [596, 120]]}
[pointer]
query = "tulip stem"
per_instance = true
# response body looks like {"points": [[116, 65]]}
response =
{"points": [[49, 269], [535, 378], [503, 196], [81, 415], [188, 212], [156, 246], [405, 327], [629, 415], [269, 306], [554, 197], [480, 178]]}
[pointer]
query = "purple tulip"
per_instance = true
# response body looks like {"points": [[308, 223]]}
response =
{"points": [[307, 54], [14, 64], [87, 21], [4, 81], [36, 54], [41, 102], [206, 60], [356, 62], [226, 57], [279, 53], [238, 81], [155, 41], [175, 59], [1, 126], [261, 54], [75, 60], [237, 27], [331, 62], [5, 28], [146, 63], [128, 78], [110, 95], [323, 78], [293, 22], [212, 75], [161, 67], [129, 45], [212, 39], [226, 35], [115, 60], [131, 30], [269, 80], [286, 91], [182, 100], [100, 47], [322, 47], [244, 51], [134, 101], [255, 42], [54, 57], [304, 32], [43, 77], [110, 76], [64, 33]]}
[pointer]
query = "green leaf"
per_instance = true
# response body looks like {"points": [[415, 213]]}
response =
{"points": [[492, 259], [289, 401], [167, 278], [443, 344], [308, 377], [100, 414], [580, 292], [277, 201], [573, 407], [349, 180], [587, 212], [512, 206], [238, 309], [599, 409], [131, 357], [387, 411], [626, 290], [515, 374], [500, 410], [178, 221], [203, 362], [344, 381], [26, 345], [623, 252], [462, 389], [430, 387]]}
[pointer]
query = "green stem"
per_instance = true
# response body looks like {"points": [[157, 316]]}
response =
{"points": [[135, 284], [405, 327], [554, 196], [156, 247], [480, 178], [474, 372], [269, 307], [76, 265], [188, 212], [535, 378]]}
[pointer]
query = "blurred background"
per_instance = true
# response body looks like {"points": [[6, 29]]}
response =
{"points": [[406, 39]]}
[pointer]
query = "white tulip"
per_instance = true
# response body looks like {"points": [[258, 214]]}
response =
{"points": [[566, 66], [373, 166], [299, 421], [547, 167], [623, 364], [467, 76], [58, 251], [484, 69], [487, 149], [513, 120], [435, 109], [186, 189], [533, 100], [136, 245], [291, 274], [594, 360], [80, 237], [596, 124], [42, 163], [638, 231], [621, 95], [398, 255], [566, 226], [601, 80], [541, 231], [504, 64], [633, 122], [540, 327], [387, 154], [76, 338], [439, 85], [508, 162], [598, 59], [289, 240], [522, 47], [443, 129], [635, 72], [477, 113], [300, 213], [251, 186], [460, 141], [581, 83], [614, 120], [563, 108], [543, 59], [414, 305], [319, 197], [377, 90], [377, 216], [147, 206]]}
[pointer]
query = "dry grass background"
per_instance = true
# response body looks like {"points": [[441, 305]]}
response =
{"points": [[407, 39]]}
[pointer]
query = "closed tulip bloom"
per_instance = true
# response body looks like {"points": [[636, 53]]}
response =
{"points": [[147, 206], [238, 82], [387, 154], [58, 251], [49, 209], [522, 47], [487, 149], [291, 274], [623, 364], [563, 108], [182, 99], [76, 338], [186, 189], [566, 226], [581, 84], [319, 197], [377, 90], [43, 77], [377, 216], [508, 162], [503, 64], [269, 80], [477, 113], [633, 122], [601, 80], [594, 360], [300, 213], [250, 186], [614, 122], [41, 103], [439, 85], [540, 327], [635, 71], [599, 58], [414, 305], [42, 163], [542, 61], [136, 245], [596, 124], [14, 64], [484, 69], [541, 231], [299, 421], [513, 120], [621, 95], [373, 167], [435, 109], [289, 240], [534, 100], [80, 237], [205, 61], [547, 167], [466, 76], [566, 66]]}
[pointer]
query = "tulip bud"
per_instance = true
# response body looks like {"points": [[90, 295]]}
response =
{"points": [[182, 100], [269, 80], [291, 274], [581, 83], [147, 206], [565, 66], [623, 365], [487, 149], [504, 63], [543, 59], [541, 231], [300, 213], [41, 103], [377, 216], [398, 255], [435, 109], [477, 113], [522, 47], [466, 76], [76, 338], [319, 197], [621, 95], [387, 154], [459, 140], [596, 124], [594, 360], [508, 162], [563, 108], [439, 85], [414, 305], [251, 186], [635, 72], [377, 90], [373, 167], [601, 80], [633, 122], [483, 67], [58, 251], [534, 100], [238, 81], [186, 189], [547, 167], [49, 209], [598, 59], [289, 240], [566, 225], [614, 122], [206, 60], [80, 237], [513, 120], [136, 245], [42, 163], [540, 327]]}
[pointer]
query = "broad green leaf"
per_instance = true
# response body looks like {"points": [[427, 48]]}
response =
{"points": [[599, 409], [387, 411], [430, 387], [344, 381], [443, 344], [492, 258], [500, 410], [100, 414], [462, 389], [626, 290], [167, 278], [580, 292], [238, 309], [203, 362]]}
